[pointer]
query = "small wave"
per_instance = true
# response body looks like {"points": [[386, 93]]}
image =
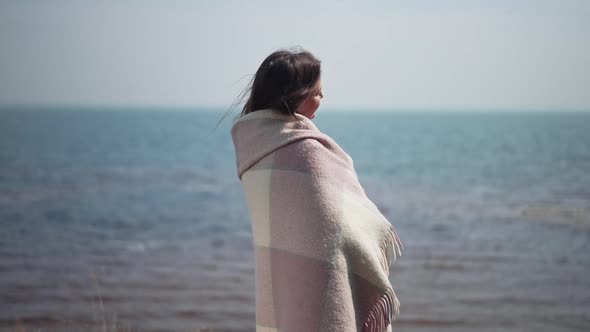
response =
{"points": [[143, 246]]}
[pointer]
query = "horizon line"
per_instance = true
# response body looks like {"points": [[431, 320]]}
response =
{"points": [[219, 109]]}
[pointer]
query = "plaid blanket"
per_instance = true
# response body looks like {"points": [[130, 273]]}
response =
{"points": [[322, 248]]}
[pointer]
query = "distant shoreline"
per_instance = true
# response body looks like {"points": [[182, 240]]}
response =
{"points": [[218, 109]]}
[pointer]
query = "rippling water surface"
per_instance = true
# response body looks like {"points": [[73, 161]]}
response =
{"points": [[135, 220]]}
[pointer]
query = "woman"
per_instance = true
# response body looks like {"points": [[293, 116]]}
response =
{"points": [[322, 248]]}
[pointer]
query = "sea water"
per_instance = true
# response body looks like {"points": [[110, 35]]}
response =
{"points": [[134, 219]]}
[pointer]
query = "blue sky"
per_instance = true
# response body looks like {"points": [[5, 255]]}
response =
{"points": [[468, 55]]}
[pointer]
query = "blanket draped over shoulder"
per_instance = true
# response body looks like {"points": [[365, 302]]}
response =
{"points": [[322, 247]]}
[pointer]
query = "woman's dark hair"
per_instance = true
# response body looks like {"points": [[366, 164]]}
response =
{"points": [[282, 82]]}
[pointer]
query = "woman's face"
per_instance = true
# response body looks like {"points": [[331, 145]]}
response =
{"points": [[309, 106]]}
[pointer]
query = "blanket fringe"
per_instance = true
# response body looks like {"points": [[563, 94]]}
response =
{"points": [[386, 308], [396, 247], [382, 313], [397, 243]]}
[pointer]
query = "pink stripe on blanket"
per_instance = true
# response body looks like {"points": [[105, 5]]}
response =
{"points": [[309, 156], [298, 285], [301, 218]]}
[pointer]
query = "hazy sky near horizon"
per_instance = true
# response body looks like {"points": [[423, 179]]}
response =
{"points": [[469, 54]]}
